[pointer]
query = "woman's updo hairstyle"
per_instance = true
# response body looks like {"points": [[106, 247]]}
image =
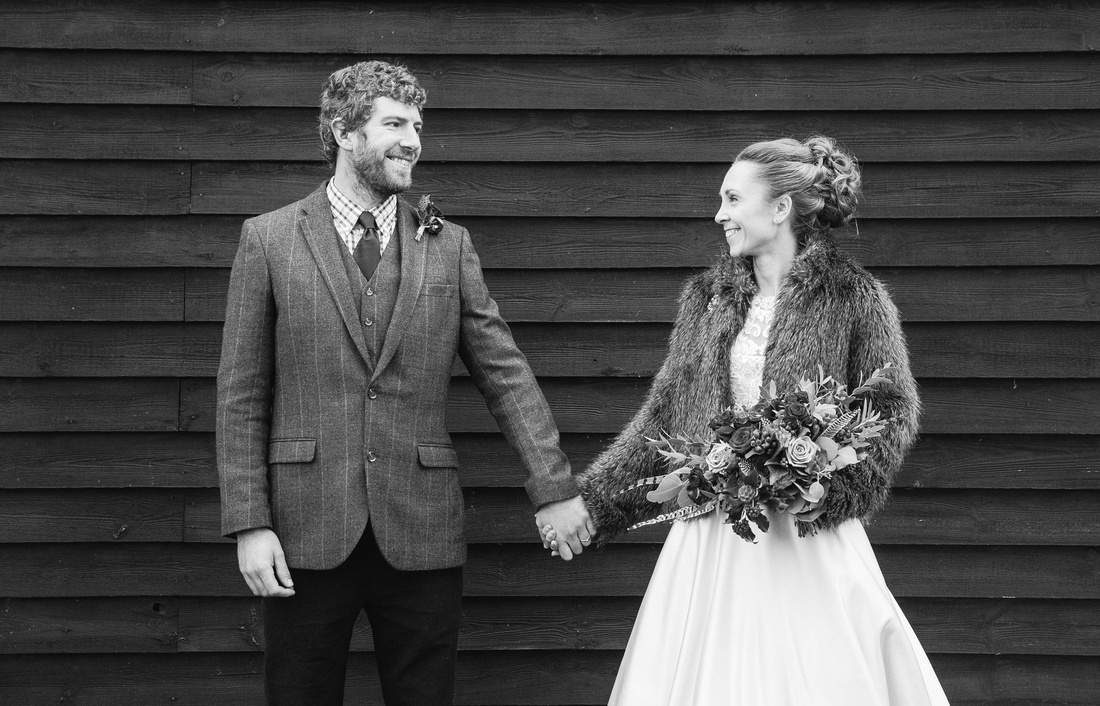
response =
{"points": [[822, 180]]}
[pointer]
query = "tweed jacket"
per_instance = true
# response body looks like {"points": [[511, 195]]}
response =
{"points": [[315, 436], [830, 313]]}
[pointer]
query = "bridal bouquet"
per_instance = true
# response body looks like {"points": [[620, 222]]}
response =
{"points": [[779, 455]]}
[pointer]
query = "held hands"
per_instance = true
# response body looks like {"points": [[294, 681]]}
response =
{"points": [[565, 527], [262, 563]]}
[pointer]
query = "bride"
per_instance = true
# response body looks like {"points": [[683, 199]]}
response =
{"points": [[788, 620]]}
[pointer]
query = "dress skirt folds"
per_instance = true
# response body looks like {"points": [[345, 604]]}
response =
{"points": [[786, 621]]}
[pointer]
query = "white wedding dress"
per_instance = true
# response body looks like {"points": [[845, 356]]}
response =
{"points": [[786, 621]]}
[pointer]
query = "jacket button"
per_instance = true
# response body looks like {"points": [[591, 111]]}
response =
{"points": [[371, 457], [372, 393], [368, 322], [370, 292]]}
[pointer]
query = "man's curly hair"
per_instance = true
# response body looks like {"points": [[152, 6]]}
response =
{"points": [[349, 93]]}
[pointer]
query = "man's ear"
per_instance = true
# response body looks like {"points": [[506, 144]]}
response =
{"points": [[342, 135]]}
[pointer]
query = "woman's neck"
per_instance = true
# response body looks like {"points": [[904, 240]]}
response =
{"points": [[771, 268]]}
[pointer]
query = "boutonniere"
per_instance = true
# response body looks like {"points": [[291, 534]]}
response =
{"points": [[430, 217]]}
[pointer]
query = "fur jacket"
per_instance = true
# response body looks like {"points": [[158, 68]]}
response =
{"points": [[830, 312]]}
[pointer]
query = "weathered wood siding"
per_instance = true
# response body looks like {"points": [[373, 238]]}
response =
{"points": [[583, 145]]}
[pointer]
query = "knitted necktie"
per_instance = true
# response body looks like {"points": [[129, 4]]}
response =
{"points": [[368, 251]]}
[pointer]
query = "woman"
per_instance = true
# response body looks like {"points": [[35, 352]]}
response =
{"points": [[787, 620]]}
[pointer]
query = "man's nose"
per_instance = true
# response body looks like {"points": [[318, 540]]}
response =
{"points": [[410, 139]]}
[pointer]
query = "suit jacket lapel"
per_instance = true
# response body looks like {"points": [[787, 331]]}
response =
{"points": [[315, 223], [414, 258]]}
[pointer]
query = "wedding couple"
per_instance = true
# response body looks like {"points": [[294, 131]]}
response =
{"points": [[339, 480]]}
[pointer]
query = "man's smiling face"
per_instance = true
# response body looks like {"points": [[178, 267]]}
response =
{"points": [[387, 147]]}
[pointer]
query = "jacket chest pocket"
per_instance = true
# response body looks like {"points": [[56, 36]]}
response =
{"points": [[438, 290], [437, 456]]}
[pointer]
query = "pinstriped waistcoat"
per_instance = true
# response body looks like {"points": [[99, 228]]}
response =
{"points": [[321, 426], [374, 300]]}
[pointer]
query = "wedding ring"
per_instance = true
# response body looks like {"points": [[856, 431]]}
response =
{"points": [[586, 540]]}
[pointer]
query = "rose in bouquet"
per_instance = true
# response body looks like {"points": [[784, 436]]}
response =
{"points": [[779, 455]]}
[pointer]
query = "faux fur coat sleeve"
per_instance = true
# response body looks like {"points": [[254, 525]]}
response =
{"points": [[628, 458], [877, 340]]}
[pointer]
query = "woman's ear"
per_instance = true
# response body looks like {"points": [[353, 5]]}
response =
{"points": [[783, 209]]}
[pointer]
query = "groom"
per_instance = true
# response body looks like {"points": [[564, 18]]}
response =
{"points": [[338, 478]]}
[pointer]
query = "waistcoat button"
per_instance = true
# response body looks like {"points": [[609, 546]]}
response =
{"points": [[371, 457]]}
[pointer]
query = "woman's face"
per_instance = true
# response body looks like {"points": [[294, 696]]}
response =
{"points": [[752, 222]]}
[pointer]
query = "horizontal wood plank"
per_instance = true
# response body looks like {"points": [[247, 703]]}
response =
{"points": [[554, 243], [131, 515], [131, 349], [120, 241], [55, 187], [484, 678], [110, 349], [94, 77], [595, 405], [78, 294], [650, 295], [169, 624], [910, 82], [913, 517], [476, 135], [115, 460], [186, 460], [558, 28], [90, 625], [84, 405], [967, 190], [183, 569]]}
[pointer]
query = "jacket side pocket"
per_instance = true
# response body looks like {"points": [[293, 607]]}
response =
{"points": [[291, 450]]}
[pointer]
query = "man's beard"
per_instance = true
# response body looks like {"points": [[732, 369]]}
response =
{"points": [[371, 173]]}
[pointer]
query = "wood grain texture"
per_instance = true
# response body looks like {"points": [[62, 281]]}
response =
{"points": [[81, 515], [559, 28], [154, 624], [480, 135], [484, 678], [110, 349], [650, 295], [53, 187], [605, 405], [101, 460], [89, 404], [186, 460], [89, 625], [184, 569], [505, 242], [119, 241], [155, 349], [94, 77], [77, 294], [967, 190], [904, 82]]}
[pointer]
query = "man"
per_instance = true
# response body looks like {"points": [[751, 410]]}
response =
{"points": [[338, 478]]}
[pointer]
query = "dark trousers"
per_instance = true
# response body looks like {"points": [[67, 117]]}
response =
{"points": [[413, 615]]}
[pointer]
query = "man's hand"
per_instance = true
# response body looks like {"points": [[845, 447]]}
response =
{"points": [[262, 563], [570, 524]]}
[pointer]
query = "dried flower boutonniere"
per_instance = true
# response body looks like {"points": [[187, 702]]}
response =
{"points": [[430, 217]]}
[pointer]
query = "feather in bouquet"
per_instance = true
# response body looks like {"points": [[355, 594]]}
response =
{"points": [[778, 455]]}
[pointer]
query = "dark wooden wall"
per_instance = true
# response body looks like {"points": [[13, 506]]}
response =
{"points": [[583, 145]]}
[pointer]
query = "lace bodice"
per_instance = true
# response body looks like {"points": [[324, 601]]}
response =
{"points": [[747, 353]]}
